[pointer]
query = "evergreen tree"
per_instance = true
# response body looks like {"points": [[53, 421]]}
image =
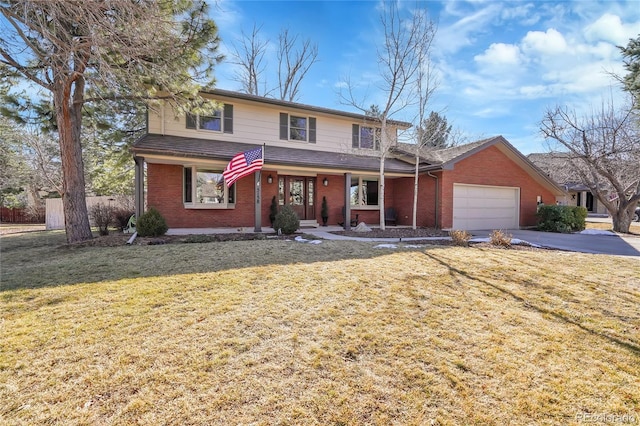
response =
{"points": [[435, 131], [92, 51], [631, 55]]}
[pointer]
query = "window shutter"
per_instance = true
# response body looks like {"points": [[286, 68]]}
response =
{"points": [[188, 187], [284, 126], [355, 136], [228, 118], [312, 130], [191, 120]]}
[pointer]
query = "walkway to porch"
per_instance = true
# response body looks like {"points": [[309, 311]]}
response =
{"points": [[323, 232]]}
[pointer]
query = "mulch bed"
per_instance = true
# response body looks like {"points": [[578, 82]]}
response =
{"points": [[396, 233], [115, 239]]}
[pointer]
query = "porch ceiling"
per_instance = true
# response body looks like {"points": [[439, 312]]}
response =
{"points": [[182, 147]]}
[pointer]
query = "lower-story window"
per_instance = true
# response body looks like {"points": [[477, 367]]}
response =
{"points": [[205, 188], [364, 191]]}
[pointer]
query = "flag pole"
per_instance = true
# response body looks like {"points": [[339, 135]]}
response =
{"points": [[258, 192]]}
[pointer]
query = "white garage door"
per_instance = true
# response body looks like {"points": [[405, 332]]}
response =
{"points": [[485, 207]]}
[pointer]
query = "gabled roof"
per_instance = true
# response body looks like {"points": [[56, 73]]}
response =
{"points": [[299, 106], [182, 147], [440, 156], [557, 165], [445, 159]]}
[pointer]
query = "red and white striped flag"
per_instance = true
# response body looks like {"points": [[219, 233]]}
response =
{"points": [[243, 164]]}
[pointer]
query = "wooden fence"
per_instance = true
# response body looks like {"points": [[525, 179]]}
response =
{"points": [[55, 214], [8, 215]]}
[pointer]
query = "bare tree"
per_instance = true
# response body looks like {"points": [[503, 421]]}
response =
{"points": [[119, 48], [426, 84], [29, 164], [293, 64], [399, 62], [249, 56], [294, 57], [603, 148]]}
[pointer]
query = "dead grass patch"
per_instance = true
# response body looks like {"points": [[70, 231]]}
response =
{"points": [[338, 333]]}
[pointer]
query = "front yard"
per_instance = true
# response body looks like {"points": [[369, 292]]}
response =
{"points": [[280, 332]]}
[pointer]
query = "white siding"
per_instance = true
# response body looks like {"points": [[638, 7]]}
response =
{"points": [[260, 124]]}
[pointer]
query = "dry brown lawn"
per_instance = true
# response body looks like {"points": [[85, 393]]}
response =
{"points": [[633, 229], [277, 332]]}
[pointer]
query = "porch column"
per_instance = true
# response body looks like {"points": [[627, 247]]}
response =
{"points": [[347, 201], [258, 211], [139, 185]]}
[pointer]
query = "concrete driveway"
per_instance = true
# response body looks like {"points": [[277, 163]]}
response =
{"points": [[599, 244]]}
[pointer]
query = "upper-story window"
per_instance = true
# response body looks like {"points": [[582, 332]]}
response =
{"points": [[297, 128], [219, 121], [364, 137]]}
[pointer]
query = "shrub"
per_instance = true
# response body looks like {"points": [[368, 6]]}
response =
{"points": [[287, 220], [151, 224], [273, 210], [102, 216], [580, 217], [499, 238], [460, 238], [561, 218], [324, 210], [121, 217]]}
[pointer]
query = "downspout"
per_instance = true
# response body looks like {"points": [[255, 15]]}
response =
{"points": [[437, 202], [162, 118], [139, 185]]}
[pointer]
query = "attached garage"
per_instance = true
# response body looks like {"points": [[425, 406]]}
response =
{"points": [[485, 207]]}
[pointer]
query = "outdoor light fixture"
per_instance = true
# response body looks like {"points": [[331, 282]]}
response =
{"points": [[269, 179], [325, 181]]}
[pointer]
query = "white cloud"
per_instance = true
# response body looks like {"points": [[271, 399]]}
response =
{"points": [[525, 13], [550, 42], [535, 91], [610, 28], [462, 32], [500, 54]]}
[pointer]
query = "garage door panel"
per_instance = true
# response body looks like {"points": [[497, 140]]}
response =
{"points": [[485, 207]]}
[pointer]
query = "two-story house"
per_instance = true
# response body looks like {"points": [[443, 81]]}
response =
{"points": [[311, 153]]}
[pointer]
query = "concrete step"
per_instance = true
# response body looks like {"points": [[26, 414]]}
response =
{"points": [[309, 224]]}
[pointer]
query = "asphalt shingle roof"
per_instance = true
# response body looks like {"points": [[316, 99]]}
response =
{"points": [[223, 150], [442, 156]]}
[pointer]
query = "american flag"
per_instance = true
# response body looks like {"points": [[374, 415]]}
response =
{"points": [[243, 164]]}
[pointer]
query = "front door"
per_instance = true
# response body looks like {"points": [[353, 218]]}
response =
{"points": [[589, 205], [299, 193]]}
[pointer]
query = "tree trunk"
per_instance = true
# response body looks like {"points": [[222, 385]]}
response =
{"points": [[622, 219], [69, 120], [381, 194], [414, 223]]}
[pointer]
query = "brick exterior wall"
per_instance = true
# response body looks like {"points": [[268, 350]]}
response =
{"points": [[403, 201], [487, 167], [491, 167], [165, 194]]}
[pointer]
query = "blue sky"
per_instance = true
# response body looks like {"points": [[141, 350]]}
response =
{"points": [[499, 64]]}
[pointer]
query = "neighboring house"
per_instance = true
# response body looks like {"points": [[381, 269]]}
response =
{"points": [[557, 166], [313, 152]]}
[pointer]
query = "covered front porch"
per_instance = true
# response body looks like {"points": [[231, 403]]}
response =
{"points": [[189, 190]]}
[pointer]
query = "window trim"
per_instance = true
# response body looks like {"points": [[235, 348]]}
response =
{"points": [[356, 137], [192, 121], [310, 127], [194, 205], [361, 206]]}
